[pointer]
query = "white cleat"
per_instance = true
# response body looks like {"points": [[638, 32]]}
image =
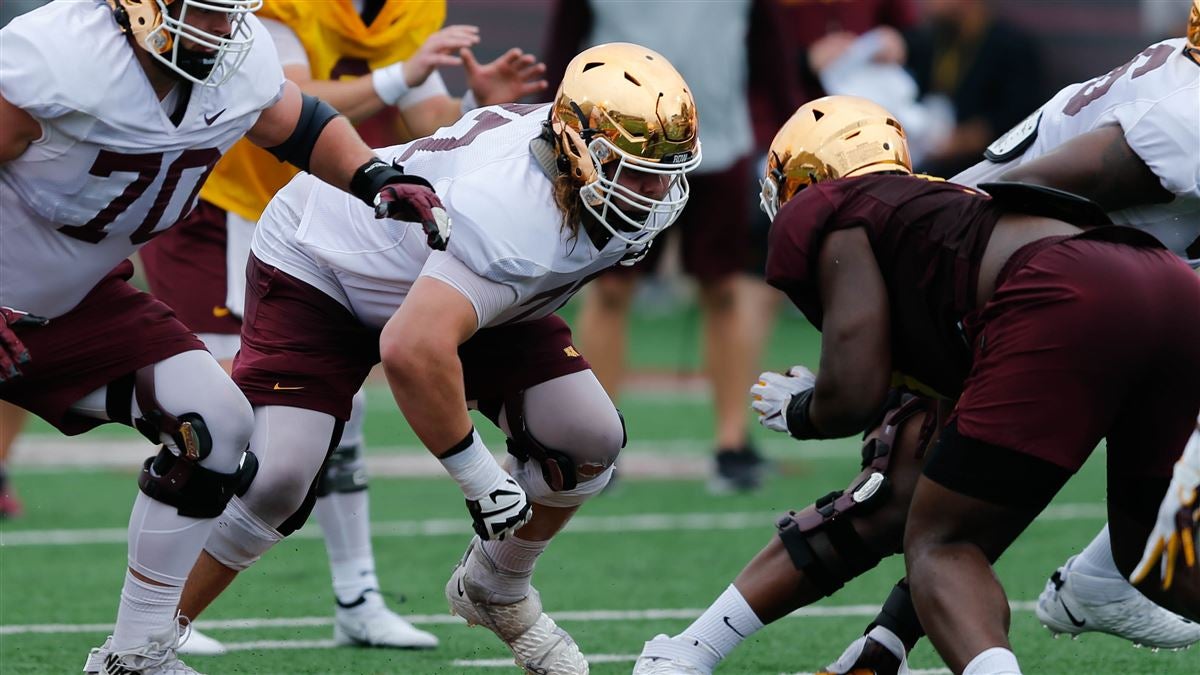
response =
{"points": [[679, 655], [199, 644], [153, 658], [1125, 612], [372, 624], [537, 643]]}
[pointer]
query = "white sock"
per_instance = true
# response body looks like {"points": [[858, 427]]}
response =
{"points": [[344, 519], [514, 559], [726, 622], [146, 611], [994, 661], [1096, 559]]}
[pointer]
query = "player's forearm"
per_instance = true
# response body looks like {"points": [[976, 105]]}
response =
{"points": [[355, 98], [426, 379], [338, 153]]}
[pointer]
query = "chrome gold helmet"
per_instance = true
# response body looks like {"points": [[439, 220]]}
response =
{"points": [[217, 57], [623, 103], [831, 137], [1193, 29]]}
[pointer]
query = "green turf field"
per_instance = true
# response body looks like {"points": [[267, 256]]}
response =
{"points": [[640, 560]]}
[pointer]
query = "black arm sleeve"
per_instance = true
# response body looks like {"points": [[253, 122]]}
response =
{"points": [[297, 149]]}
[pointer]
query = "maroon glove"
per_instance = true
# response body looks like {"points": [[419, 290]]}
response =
{"points": [[12, 351], [395, 194]]}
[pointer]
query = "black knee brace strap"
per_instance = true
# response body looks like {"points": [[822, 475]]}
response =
{"points": [[558, 468], [194, 491], [187, 430], [343, 472], [900, 616], [297, 519], [820, 539]]}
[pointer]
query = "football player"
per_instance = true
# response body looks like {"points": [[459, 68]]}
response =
{"points": [[199, 268], [846, 533], [544, 197], [111, 115]]}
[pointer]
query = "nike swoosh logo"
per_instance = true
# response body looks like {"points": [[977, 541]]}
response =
{"points": [[209, 120], [1074, 622], [739, 633], [221, 312], [279, 388], [460, 588]]}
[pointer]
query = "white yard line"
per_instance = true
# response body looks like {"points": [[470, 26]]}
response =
{"points": [[580, 616], [440, 527]]}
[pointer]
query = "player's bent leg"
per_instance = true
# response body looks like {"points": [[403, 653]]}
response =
{"points": [[972, 501], [361, 617], [565, 435], [291, 445], [204, 422], [818, 549]]}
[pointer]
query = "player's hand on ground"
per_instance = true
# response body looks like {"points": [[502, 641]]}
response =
{"points": [[416, 202], [1174, 538], [509, 78], [439, 49], [879, 651], [773, 391], [502, 511], [13, 353]]}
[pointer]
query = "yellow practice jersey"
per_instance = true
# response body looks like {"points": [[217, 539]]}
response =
{"points": [[337, 45]]}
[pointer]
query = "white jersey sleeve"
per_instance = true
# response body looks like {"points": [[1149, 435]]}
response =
{"points": [[1165, 136]]}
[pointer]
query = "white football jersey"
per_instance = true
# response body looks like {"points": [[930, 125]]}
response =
{"points": [[506, 226], [111, 169], [1156, 99]]}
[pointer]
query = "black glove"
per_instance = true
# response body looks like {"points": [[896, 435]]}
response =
{"points": [[12, 351], [394, 194]]}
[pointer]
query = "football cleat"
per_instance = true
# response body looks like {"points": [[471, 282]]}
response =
{"points": [[157, 657], [537, 643], [1124, 612], [739, 470], [679, 655], [879, 652], [372, 624], [199, 644]]}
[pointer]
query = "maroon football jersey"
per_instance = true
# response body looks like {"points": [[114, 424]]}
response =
{"points": [[928, 237]]}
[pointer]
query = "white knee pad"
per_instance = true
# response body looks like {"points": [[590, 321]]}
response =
{"points": [[240, 538], [529, 476]]}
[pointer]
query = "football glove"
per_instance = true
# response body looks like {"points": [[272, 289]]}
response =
{"points": [[13, 353], [1178, 523], [774, 391], [502, 511]]}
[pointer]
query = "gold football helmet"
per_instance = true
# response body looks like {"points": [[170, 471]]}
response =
{"points": [[831, 137], [217, 57], [1193, 30], [623, 103]]}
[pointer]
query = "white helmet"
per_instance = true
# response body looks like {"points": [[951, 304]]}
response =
{"points": [[216, 57]]}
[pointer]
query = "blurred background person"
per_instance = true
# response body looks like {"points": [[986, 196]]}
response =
{"points": [[376, 62], [987, 67], [724, 49]]}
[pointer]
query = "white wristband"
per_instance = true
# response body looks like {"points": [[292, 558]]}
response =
{"points": [[474, 468], [389, 82], [469, 102]]}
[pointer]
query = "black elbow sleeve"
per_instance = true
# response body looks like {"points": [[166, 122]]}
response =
{"points": [[297, 149]]}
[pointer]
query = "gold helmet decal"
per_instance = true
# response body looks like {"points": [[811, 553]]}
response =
{"points": [[831, 137], [624, 103], [161, 27]]}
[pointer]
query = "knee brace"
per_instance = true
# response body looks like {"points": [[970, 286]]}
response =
{"points": [[188, 431], [240, 537], [560, 470], [194, 491], [345, 471], [821, 539]]}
